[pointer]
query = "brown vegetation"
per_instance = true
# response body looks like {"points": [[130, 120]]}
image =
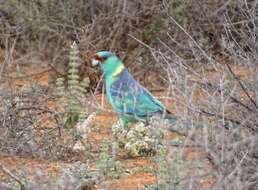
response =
{"points": [[199, 57]]}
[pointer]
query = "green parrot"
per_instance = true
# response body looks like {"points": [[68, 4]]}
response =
{"points": [[128, 98]]}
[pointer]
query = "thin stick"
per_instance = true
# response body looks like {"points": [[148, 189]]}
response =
{"points": [[14, 177], [241, 85], [197, 45]]}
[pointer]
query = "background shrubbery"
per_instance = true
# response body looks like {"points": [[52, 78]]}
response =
{"points": [[46, 29], [203, 53]]}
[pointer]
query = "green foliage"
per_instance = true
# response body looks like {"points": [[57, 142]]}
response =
{"points": [[75, 90], [168, 169], [60, 88], [176, 167], [107, 165], [162, 171]]}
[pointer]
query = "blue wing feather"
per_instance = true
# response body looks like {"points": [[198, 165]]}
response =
{"points": [[129, 97]]}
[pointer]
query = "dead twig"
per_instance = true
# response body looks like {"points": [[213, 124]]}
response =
{"points": [[241, 85], [14, 177]]}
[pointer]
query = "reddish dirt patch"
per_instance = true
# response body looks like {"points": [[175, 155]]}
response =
{"points": [[132, 182], [101, 131], [101, 128], [137, 162], [28, 77]]}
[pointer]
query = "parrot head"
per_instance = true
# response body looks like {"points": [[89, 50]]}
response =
{"points": [[110, 64]]}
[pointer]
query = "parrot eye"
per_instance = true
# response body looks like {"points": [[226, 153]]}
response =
{"points": [[101, 57]]}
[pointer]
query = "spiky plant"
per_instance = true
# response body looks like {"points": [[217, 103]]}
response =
{"points": [[75, 90], [106, 164]]}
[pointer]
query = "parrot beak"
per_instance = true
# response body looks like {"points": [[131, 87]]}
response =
{"points": [[95, 62]]}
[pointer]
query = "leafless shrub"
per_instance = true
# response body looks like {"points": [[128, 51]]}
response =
{"points": [[23, 118], [227, 104], [46, 29]]}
